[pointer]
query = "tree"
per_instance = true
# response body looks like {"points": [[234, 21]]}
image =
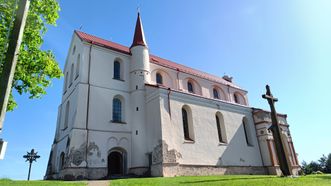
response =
{"points": [[311, 167], [322, 162], [328, 164], [35, 68]]}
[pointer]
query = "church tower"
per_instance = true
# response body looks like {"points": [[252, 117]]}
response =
{"points": [[139, 75]]}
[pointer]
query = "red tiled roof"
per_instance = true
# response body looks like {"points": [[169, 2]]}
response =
{"points": [[154, 59]]}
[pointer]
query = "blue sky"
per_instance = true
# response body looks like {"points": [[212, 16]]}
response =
{"points": [[283, 43]]}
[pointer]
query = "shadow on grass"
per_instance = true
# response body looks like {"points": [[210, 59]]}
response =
{"points": [[222, 179], [324, 176]]}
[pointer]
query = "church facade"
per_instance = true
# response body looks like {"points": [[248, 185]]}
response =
{"points": [[127, 112]]}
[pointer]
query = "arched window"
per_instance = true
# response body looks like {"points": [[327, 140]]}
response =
{"points": [[159, 79], [190, 87], [74, 50], [62, 160], [66, 116], [220, 128], [215, 93], [71, 73], [77, 66], [117, 110], [248, 135], [236, 98], [187, 124], [117, 70]]}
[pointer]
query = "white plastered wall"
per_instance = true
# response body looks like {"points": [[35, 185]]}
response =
{"points": [[206, 149]]}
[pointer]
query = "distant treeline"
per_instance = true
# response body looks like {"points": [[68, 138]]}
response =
{"points": [[323, 165]]}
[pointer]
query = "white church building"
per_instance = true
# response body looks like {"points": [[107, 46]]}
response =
{"points": [[127, 112]]}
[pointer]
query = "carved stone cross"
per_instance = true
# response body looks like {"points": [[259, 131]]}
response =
{"points": [[284, 162]]}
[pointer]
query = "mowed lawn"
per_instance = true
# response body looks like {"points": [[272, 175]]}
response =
{"points": [[249, 180], [8, 182], [319, 180]]}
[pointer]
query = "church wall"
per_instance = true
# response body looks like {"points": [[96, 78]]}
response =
{"points": [[154, 133], [100, 110], [75, 149], [102, 69], [81, 106], [80, 49], [60, 147], [206, 149], [73, 102], [263, 122], [203, 87]]}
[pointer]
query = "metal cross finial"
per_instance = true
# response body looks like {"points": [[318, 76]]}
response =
{"points": [[138, 9], [31, 157]]}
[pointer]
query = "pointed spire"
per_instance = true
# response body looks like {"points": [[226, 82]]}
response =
{"points": [[139, 37]]}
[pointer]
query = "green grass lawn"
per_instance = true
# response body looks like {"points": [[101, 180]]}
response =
{"points": [[319, 180], [8, 182]]}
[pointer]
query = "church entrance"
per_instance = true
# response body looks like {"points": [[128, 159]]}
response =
{"points": [[116, 163]]}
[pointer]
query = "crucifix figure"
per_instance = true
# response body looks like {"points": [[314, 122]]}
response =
{"points": [[30, 157], [284, 162]]}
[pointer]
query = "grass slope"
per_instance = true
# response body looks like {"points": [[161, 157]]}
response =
{"points": [[247, 180], [319, 180], [8, 182]]}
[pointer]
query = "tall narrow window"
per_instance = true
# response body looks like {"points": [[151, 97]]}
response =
{"points": [[77, 66], [117, 110], [74, 50], [117, 70], [66, 79], [66, 117], [236, 98], [190, 87], [62, 160], [215, 92], [71, 73], [159, 79], [248, 136], [219, 130], [187, 123]]}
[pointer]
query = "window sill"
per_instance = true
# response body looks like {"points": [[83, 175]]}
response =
{"points": [[117, 122], [222, 144], [189, 141], [119, 79]]}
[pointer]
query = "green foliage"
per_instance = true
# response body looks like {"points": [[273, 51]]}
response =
{"points": [[35, 68], [328, 164], [323, 165]]}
